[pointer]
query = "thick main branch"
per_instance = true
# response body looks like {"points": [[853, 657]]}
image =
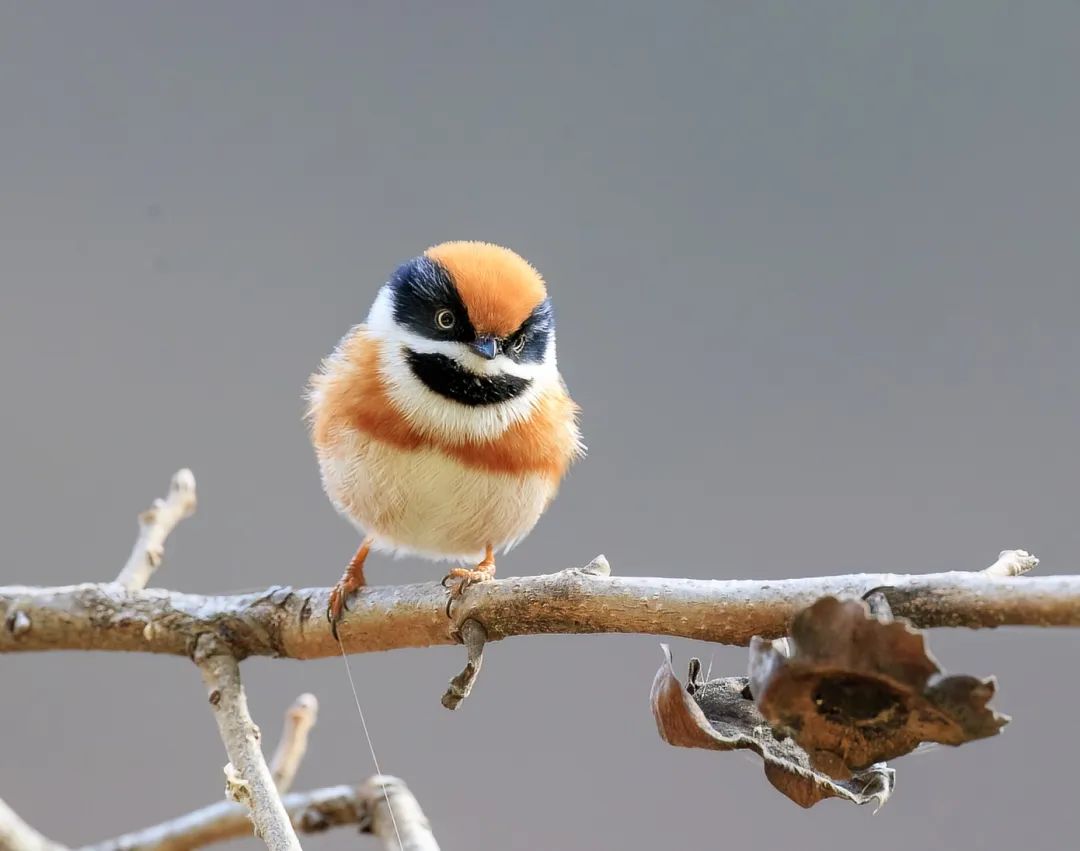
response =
{"points": [[290, 622]]}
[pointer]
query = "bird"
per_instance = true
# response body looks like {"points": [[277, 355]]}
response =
{"points": [[442, 426]]}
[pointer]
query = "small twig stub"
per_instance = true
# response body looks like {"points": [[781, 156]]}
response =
{"points": [[473, 636]]}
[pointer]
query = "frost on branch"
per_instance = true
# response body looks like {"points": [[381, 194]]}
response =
{"points": [[721, 715], [859, 688]]}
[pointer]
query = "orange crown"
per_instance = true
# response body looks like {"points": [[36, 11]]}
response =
{"points": [[497, 286]]}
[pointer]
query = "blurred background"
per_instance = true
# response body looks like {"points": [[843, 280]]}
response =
{"points": [[815, 267]]}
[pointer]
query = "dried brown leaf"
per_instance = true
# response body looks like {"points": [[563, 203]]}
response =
{"points": [[720, 715], [859, 689]]}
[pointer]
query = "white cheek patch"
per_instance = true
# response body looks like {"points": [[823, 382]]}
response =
{"points": [[380, 319], [432, 413], [463, 355], [428, 411]]}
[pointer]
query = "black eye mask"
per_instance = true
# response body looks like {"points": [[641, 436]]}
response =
{"points": [[536, 333], [422, 288]]}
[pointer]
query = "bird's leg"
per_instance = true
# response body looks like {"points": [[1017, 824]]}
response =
{"points": [[351, 579], [460, 578]]}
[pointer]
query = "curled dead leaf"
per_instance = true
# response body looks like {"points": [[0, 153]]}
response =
{"points": [[854, 689], [721, 715]]}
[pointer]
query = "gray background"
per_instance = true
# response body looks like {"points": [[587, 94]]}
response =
{"points": [[816, 271]]}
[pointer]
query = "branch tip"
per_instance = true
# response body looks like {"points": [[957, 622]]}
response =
{"points": [[183, 486], [299, 719], [155, 525]]}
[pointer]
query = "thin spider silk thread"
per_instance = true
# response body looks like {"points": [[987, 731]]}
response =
{"points": [[371, 747]]}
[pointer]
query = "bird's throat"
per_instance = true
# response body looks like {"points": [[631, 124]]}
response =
{"points": [[451, 380]]}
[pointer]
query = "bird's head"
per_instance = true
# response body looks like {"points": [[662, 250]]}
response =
{"points": [[468, 338]]}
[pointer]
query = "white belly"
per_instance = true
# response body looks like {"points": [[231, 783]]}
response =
{"points": [[421, 501]]}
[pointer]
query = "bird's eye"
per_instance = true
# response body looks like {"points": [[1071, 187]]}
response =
{"points": [[519, 345], [445, 319]]}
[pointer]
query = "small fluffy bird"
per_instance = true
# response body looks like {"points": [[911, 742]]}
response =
{"points": [[441, 424]]}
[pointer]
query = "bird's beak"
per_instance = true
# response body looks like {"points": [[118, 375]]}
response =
{"points": [[486, 347]]}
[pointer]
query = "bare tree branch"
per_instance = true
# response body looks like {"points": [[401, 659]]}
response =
{"points": [[227, 820], [382, 806], [299, 719], [218, 631], [407, 829], [310, 812], [17, 835], [155, 524], [248, 780], [289, 622], [366, 806]]}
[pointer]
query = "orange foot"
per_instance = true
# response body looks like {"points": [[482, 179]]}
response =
{"points": [[460, 578], [351, 579]]}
